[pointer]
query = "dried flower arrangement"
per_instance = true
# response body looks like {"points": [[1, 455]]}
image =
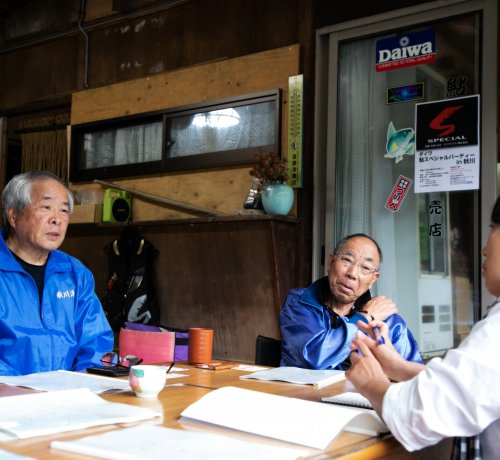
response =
{"points": [[270, 169]]}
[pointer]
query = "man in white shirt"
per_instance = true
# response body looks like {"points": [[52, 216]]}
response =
{"points": [[458, 395]]}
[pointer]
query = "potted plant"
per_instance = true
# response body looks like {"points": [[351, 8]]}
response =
{"points": [[271, 172]]}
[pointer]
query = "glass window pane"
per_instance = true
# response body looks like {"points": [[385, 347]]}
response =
{"points": [[122, 146], [222, 130]]}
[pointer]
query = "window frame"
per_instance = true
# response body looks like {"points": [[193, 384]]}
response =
{"points": [[186, 163]]}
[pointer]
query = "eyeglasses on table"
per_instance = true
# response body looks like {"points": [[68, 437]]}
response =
{"points": [[111, 358]]}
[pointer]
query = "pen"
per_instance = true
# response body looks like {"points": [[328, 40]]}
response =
{"points": [[170, 367], [380, 339]]}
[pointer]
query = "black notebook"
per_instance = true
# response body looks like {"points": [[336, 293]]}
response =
{"points": [[348, 399]]}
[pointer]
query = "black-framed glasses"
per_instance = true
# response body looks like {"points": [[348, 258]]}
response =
{"points": [[111, 358]]}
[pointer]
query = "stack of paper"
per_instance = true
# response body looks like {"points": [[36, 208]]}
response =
{"points": [[40, 414], [157, 443], [66, 380]]}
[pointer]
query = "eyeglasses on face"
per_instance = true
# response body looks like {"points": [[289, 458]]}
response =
{"points": [[110, 358], [365, 267]]}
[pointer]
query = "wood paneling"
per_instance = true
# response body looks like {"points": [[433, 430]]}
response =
{"points": [[231, 77], [223, 190], [188, 34], [95, 9], [203, 39], [39, 73], [49, 57], [231, 274]]}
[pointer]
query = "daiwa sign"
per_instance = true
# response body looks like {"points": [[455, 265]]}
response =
{"points": [[406, 50]]}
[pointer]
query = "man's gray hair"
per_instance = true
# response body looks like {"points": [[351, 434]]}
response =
{"points": [[17, 193]]}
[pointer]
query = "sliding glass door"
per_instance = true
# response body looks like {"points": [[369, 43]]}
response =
{"points": [[431, 240]]}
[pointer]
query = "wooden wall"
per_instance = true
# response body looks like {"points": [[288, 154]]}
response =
{"points": [[130, 40], [188, 34], [231, 274], [223, 190], [46, 57], [134, 40]]}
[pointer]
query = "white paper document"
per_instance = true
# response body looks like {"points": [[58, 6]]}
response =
{"points": [[317, 378], [308, 423], [40, 414], [5, 455], [66, 380], [250, 368], [176, 369], [175, 375], [151, 442]]}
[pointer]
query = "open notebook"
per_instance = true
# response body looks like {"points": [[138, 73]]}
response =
{"points": [[298, 421]]}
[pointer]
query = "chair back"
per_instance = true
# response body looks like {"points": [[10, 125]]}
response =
{"points": [[267, 351]]}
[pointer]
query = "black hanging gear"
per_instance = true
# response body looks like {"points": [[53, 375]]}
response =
{"points": [[130, 293]]}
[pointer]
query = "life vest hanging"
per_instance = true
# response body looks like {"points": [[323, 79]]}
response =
{"points": [[130, 292]]}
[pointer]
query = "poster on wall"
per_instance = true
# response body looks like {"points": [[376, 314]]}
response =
{"points": [[447, 145]]}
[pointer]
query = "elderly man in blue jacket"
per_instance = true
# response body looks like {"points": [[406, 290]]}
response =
{"points": [[50, 316], [318, 323]]}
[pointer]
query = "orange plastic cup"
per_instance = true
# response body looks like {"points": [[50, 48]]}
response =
{"points": [[200, 343]]}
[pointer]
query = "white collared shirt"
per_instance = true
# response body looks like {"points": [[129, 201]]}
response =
{"points": [[458, 395]]}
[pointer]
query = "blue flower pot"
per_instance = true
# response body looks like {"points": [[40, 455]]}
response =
{"points": [[277, 199]]}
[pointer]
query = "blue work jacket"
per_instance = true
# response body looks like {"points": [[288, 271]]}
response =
{"points": [[69, 330], [309, 340]]}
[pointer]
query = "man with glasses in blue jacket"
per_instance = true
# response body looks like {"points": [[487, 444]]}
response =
{"points": [[318, 323], [50, 316]]}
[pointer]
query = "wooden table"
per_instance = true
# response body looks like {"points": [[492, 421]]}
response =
{"points": [[173, 399]]}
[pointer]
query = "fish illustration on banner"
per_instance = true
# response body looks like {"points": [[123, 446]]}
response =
{"points": [[399, 143]]}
